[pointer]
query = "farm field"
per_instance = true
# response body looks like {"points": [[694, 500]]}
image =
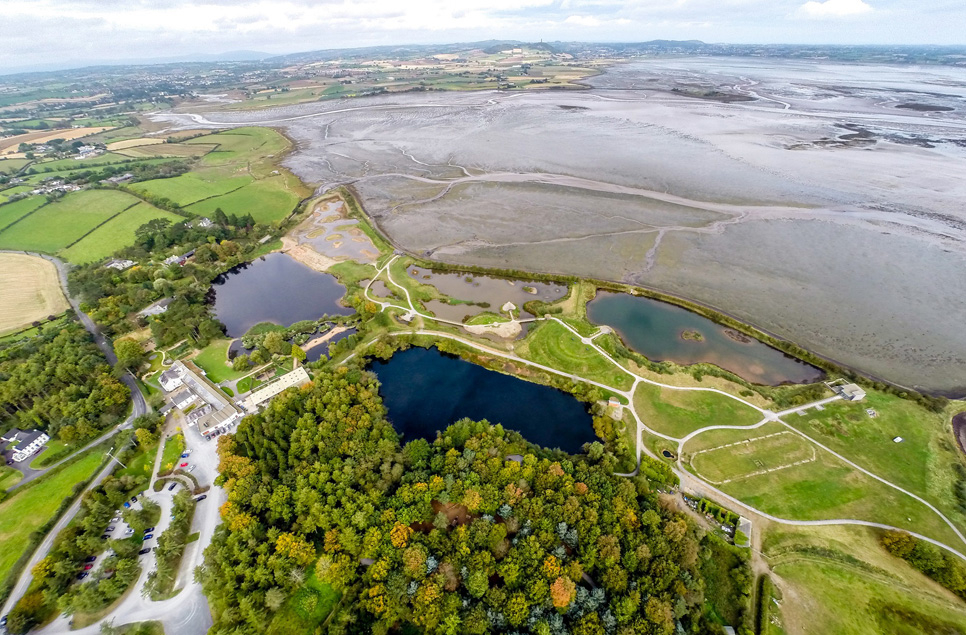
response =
{"points": [[825, 488], [553, 345], [133, 143], [9, 145], [189, 188], [12, 212], [115, 234], [9, 166], [267, 200], [166, 150], [678, 413], [241, 144], [28, 509], [60, 224], [839, 580], [29, 290], [7, 194]]}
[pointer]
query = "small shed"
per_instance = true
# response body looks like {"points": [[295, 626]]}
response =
{"points": [[852, 392]]}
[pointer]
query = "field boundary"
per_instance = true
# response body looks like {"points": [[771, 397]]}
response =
{"points": [[99, 225], [761, 472], [27, 215]]}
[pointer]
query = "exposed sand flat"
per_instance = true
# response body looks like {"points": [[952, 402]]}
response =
{"points": [[820, 209]]}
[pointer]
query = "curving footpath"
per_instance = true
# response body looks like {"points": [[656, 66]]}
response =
{"points": [[688, 480]]}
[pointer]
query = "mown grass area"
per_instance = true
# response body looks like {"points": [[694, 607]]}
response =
{"points": [[922, 463], [678, 413], [8, 477], [31, 507], [486, 318], [764, 453], [825, 488], [173, 448], [191, 187], [213, 360], [12, 212], [306, 609], [551, 344], [838, 580], [56, 225], [55, 451], [247, 384], [115, 234], [10, 166], [167, 150]]}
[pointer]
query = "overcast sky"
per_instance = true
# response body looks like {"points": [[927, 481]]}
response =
{"points": [[75, 32]]}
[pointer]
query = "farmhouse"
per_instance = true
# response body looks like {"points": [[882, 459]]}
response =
{"points": [[295, 378], [120, 265], [157, 308], [27, 443]]}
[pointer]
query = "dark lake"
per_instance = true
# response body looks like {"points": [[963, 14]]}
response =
{"points": [[654, 329], [425, 391], [275, 288]]}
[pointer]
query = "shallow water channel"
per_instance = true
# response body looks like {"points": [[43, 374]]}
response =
{"points": [[274, 288], [425, 391], [664, 332]]}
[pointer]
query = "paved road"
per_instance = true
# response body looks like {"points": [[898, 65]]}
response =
{"points": [[107, 347]]}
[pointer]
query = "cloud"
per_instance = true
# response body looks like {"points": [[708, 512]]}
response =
{"points": [[834, 8]]}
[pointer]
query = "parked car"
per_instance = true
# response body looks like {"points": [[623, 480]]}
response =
{"points": [[148, 536], [88, 567], [110, 528], [172, 486], [116, 519], [186, 454], [145, 550], [190, 468], [185, 464], [105, 537], [134, 499], [83, 575], [149, 530], [127, 505], [201, 498], [90, 558], [128, 531]]}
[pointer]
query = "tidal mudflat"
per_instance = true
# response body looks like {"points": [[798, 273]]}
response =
{"points": [[806, 198]]}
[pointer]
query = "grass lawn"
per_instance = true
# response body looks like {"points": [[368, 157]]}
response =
{"points": [[838, 580], [12, 212], [551, 344], [266, 200], [167, 150], [241, 144], [57, 225], [922, 463], [677, 413], [825, 488], [771, 452], [10, 192], [55, 451], [9, 166], [247, 384], [8, 477], [141, 463], [486, 318], [307, 608], [116, 234], [173, 448], [191, 187], [212, 359], [31, 507]]}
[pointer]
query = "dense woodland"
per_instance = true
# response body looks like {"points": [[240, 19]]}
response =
{"points": [[110, 297], [59, 381], [449, 537]]}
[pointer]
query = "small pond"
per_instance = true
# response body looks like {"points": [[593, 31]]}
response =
{"points": [[483, 290], [274, 288], [426, 391], [664, 332]]}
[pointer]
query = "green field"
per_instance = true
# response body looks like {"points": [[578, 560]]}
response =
{"points": [[267, 200], [10, 192], [212, 359], [8, 477], [838, 580], [9, 166], [771, 452], [12, 212], [166, 150], [57, 225], [173, 448], [191, 187], [116, 234], [825, 488], [30, 508], [922, 463], [241, 144], [551, 344], [678, 413]]}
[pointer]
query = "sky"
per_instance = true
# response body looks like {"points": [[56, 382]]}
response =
{"points": [[76, 32]]}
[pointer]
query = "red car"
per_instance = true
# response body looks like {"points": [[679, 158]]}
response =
{"points": [[88, 567], [185, 464]]}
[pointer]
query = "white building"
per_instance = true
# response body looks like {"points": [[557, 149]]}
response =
{"points": [[172, 378], [297, 377], [852, 392], [29, 443]]}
